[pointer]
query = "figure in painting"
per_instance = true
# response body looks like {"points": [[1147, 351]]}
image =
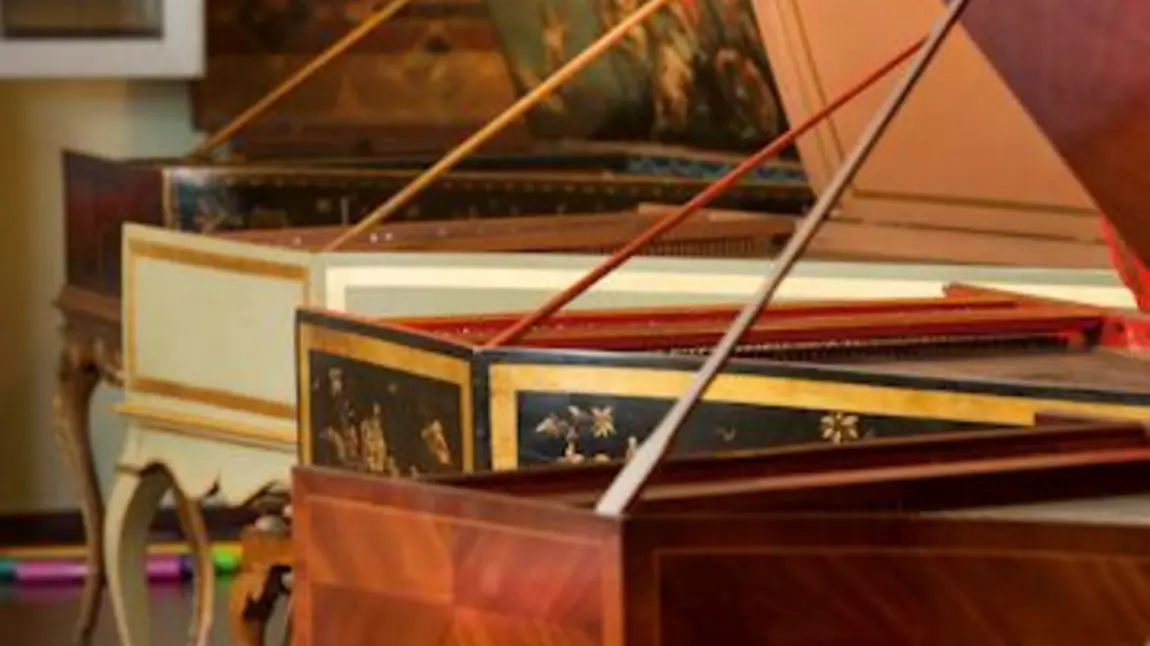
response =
{"points": [[740, 65], [704, 73], [747, 93], [342, 432], [435, 441], [368, 424], [673, 82], [376, 458], [553, 39], [635, 42]]}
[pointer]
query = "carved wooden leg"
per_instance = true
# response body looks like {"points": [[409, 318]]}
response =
{"points": [[259, 584], [132, 506], [76, 378], [251, 603], [192, 522]]}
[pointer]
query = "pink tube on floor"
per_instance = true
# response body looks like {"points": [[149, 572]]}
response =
{"points": [[160, 568]]}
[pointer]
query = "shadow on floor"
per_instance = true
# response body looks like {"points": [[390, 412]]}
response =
{"points": [[44, 616]]}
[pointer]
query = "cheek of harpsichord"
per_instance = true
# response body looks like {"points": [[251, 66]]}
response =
{"points": [[1128, 332]]}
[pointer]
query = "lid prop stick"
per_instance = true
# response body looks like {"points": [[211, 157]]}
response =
{"points": [[500, 123], [675, 217], [257, 109], [629, 482]]}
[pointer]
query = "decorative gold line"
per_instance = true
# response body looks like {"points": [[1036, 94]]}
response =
{"points": [[167, 199], [503, 413], [164, 252], [212, 260], [128, 325], [201, 427], [303, 390], [405, 359], [214, 397]]}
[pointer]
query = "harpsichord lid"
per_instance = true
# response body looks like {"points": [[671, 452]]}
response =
{"points": [[1082, 70], [696, 75], [419, 82], [964, 167]]}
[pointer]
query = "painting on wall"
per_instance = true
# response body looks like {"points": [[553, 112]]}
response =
{"points": [[696, 74]]}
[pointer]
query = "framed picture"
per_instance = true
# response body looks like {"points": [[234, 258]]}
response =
{"points": [[101, 38]]}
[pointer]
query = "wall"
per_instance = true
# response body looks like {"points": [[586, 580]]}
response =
{"points": [[37, 120]]}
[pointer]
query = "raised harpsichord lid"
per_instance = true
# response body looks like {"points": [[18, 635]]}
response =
{"points": [[694, 75], [419, 82], [964, 166], [1082, 70]]}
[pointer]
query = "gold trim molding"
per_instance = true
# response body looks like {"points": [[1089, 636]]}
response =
{"points": [[206, 428], [507, 381], [149, 249]]}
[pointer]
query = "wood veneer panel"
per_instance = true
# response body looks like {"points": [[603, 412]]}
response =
{"points": [[424, 562]]}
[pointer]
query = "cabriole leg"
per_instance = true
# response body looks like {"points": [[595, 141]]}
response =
{"points": [[76, 377], [192, 522], [132, 505]]}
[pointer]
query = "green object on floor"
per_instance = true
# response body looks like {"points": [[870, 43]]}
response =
{"points": [[226, 559]]}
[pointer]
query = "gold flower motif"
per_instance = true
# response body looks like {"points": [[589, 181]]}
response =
{"points": [[839, 428], [576, 425], [602, 421]]}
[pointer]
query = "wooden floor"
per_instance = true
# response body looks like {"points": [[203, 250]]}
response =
{"points": [[44, 616]]}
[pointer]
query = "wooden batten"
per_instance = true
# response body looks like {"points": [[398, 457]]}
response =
{"points": [[964, 173], [720, 234]]}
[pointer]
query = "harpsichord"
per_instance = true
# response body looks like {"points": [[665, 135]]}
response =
{"points": [[954, 541]]}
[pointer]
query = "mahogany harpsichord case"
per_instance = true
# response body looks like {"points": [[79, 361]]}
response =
{"points": [[1021, 538]]}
